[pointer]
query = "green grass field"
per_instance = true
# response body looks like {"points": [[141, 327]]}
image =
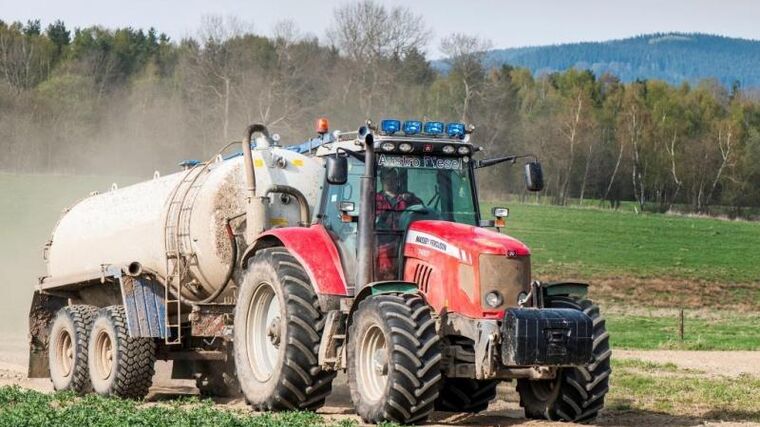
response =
{"points": [[593, 242], [727, 331]]}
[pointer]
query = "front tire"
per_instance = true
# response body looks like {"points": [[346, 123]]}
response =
{"points": [[577, 394], [394, 359], [119, 365], [278, 328], [67, 350], [466, 395]]}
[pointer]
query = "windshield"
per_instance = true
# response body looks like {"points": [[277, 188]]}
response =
{"points": [[411, 188]]}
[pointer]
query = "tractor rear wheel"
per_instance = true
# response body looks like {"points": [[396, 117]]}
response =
{"points": [[577, 394], [394, 359], [119, 365], [466, 395], [67, 350], [278, 328]]}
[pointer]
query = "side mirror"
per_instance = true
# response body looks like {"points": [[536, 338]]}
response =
{"points": [[337, 170], [534, 176]]}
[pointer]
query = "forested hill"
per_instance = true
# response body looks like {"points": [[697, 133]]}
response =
{"points": [[673, 57]]}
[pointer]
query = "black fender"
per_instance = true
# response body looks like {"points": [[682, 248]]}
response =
{"points": [[576, 289]]}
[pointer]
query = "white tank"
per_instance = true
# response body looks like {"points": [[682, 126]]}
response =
{"points": [[132, 224]]}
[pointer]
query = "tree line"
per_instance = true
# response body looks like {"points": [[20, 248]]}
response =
{"points": [[126, 101]]}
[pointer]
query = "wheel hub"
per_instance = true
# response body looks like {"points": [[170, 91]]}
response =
{"points": [[263, 332], [372, 363], [273, 331]]}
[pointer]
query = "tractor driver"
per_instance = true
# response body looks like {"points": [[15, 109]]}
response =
{"points": [[389, 204]]}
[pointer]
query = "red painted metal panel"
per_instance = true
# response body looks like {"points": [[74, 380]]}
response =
{"points": [[316, 252], [448, 247]]}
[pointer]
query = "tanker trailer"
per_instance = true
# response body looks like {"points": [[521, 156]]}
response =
{"points": [[150, 271]]}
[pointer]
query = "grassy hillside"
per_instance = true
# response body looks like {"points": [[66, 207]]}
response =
{"points": [[596, 242]]}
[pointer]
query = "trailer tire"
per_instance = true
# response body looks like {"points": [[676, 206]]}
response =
{"points": [[577, 394], [67, 350], [394, 359], [119, 365], [466, 395], [277, 332]]}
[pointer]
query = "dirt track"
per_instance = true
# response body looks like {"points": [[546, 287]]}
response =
{"points": [[505, 411]]}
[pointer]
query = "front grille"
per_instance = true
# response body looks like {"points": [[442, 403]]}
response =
{"points": [[508, 276], [422, 276]]}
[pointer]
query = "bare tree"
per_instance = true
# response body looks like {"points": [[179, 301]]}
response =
{"points": [[465, 55], [369, 34]]}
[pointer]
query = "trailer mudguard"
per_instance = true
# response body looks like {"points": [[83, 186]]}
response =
{"points": [[41, 315], [313, 248]]}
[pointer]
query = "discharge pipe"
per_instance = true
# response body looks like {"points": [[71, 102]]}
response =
{"points": [[256, 213]]}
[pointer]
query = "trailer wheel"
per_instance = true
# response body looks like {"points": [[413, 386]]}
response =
{"points": [[119, 365], [394, 358], [466, 395], [277, 332], [577, 394], [67, 351]]}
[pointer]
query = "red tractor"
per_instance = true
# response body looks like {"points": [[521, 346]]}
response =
{"points": [[270, 270], [424, 306]]}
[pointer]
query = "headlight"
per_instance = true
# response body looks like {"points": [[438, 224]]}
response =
{"points": [[448, 149], [463, 150], [388, 146], [494, 299], [405, 147]]}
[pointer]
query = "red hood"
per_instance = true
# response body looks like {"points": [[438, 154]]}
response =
{"points": [[452, 237]]}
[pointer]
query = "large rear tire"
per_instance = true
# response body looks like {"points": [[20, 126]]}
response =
{"points": [[466, 395], [278, 328], [394, 359], [577, 394], [67, 350], [119, 365]]}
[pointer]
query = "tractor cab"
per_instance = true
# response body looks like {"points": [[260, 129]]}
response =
{"points": [[418, 172]]}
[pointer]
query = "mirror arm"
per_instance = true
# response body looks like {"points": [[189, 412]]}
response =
{"points": [[353, 154], [490, 162]]}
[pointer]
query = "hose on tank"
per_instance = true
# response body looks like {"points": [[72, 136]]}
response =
{"points": [[233, 259]]}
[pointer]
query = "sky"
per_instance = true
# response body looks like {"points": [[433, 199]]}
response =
{"points": [[505, 23]]}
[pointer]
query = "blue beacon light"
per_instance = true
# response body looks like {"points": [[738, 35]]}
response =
{"points": [[390, 127]]}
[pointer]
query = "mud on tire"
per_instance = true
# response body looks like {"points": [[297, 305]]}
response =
{"points": [[67, 351], [465, 395], [577, 394], [119, 365], [394, 336], [278, 328]]}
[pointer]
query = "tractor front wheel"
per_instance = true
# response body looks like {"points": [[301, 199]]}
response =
{"points": [[466, 395], [394, 359], [577, 394]]}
